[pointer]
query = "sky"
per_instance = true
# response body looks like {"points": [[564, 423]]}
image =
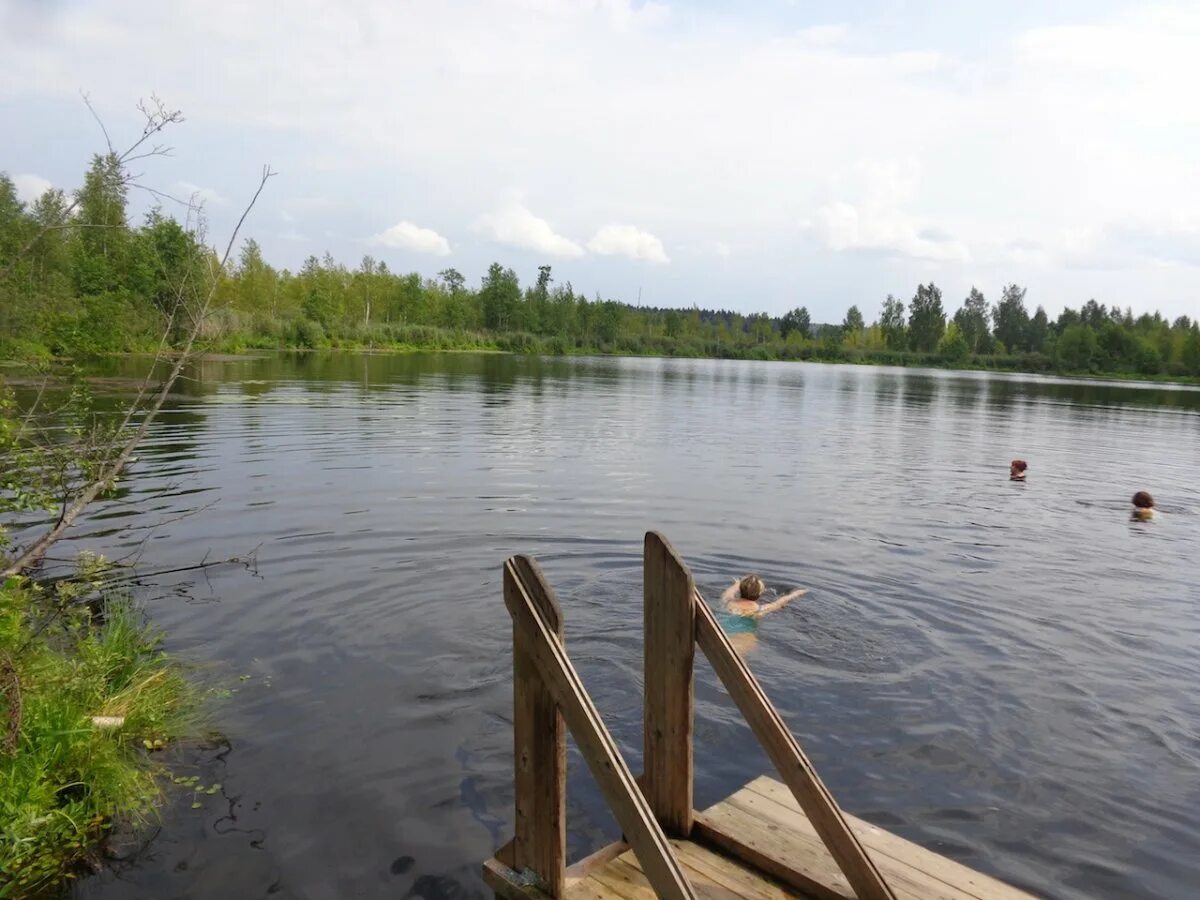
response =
{"points": [[750, 156]]}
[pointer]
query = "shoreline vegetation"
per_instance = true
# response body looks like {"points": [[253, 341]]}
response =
{"points": [[100, 285], [90, 701]]}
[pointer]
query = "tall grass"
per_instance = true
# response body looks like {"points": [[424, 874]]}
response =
{"points": [[85, 702]]}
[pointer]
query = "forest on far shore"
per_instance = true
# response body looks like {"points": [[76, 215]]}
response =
{"points": [[100, 284]]}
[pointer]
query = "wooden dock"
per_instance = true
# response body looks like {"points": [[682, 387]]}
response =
{"points": [[770, 839]]}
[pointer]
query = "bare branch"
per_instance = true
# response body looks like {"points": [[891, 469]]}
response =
{"points": [[158, 117], [87, 101], [110, 469]]}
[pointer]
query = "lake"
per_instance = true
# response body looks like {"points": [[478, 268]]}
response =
{"points": [[1006, 673]]}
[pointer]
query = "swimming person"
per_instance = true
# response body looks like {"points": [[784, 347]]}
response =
{"points": [[742, 607], [1143, 506], [1016, 470]]}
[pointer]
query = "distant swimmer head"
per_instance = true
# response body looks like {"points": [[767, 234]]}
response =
{"points": [[1016, 469], [1143, 500], [751, 587]]}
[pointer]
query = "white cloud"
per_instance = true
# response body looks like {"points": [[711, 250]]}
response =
{"points": [[823, 35], [722, 249], [514, 225], [694, 121], [30, 187], [1132, 243], [870, 214], [194, 193], [628, 240], [407, 236]]}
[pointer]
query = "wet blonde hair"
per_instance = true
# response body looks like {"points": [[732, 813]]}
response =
{"points": [[751, 587]]}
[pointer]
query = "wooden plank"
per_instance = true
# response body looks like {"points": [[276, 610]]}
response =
{"points": [[729, 874], [670, 649], [890, 851], [801, 863], [904, 879], [599, 750], [625, 880], [539, 748], [578, 871], [794, 767], [715, 877]]}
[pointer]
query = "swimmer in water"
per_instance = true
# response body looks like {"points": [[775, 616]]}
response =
{"points": [[742, 607], [1143, 506], [1016, 470]]}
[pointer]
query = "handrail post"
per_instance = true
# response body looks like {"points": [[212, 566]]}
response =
{"points": [[596, 745], [670, 650], [539, 747]]}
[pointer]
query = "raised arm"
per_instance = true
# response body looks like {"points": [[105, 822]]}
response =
{"points": [[730, 594], [781, 602]]}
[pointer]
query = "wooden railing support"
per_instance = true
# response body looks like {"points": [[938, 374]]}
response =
{"points": [[522, 583], [670, 648], [539, 747], [794, 767]]}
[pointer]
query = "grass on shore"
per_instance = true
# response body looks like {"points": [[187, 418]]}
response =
{"points": [[85, 700]]}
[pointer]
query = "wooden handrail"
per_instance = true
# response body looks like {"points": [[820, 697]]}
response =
{"points": [[793, 766], [670, 649], [616, 782], [539, 844]]}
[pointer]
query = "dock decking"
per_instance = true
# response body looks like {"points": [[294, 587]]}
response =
{"points": [[770, 839], [757, 844]]}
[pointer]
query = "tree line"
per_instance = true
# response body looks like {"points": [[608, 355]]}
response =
{"points": [[77, 277]]}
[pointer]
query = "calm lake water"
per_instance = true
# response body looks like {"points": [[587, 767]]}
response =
{"points": [[1006, 673]]}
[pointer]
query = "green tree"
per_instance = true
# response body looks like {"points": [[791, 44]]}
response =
{"points": [[1190, 357], [759, 328], [1010, 319], [926, 318], [972, 322], [162, 258], [891, 321], [101, 246], [1038, 331], [1076, 348], [853, 323], [50, 256], [320, 300], [796, 321], [500, 296], [453, 280], [953, 344]]}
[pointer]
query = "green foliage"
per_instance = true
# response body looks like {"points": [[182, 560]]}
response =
{"points": [[796, 322], [926, 318], [953, 344], [853, 323], [1010, 320], [1076, 348], [891, 322], [48, 451], [63, 777], [972, 322], [99, 285]]}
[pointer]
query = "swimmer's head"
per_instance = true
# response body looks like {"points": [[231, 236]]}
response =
{"points": [[1018, 467], [1143, 500], [751, 587]]}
